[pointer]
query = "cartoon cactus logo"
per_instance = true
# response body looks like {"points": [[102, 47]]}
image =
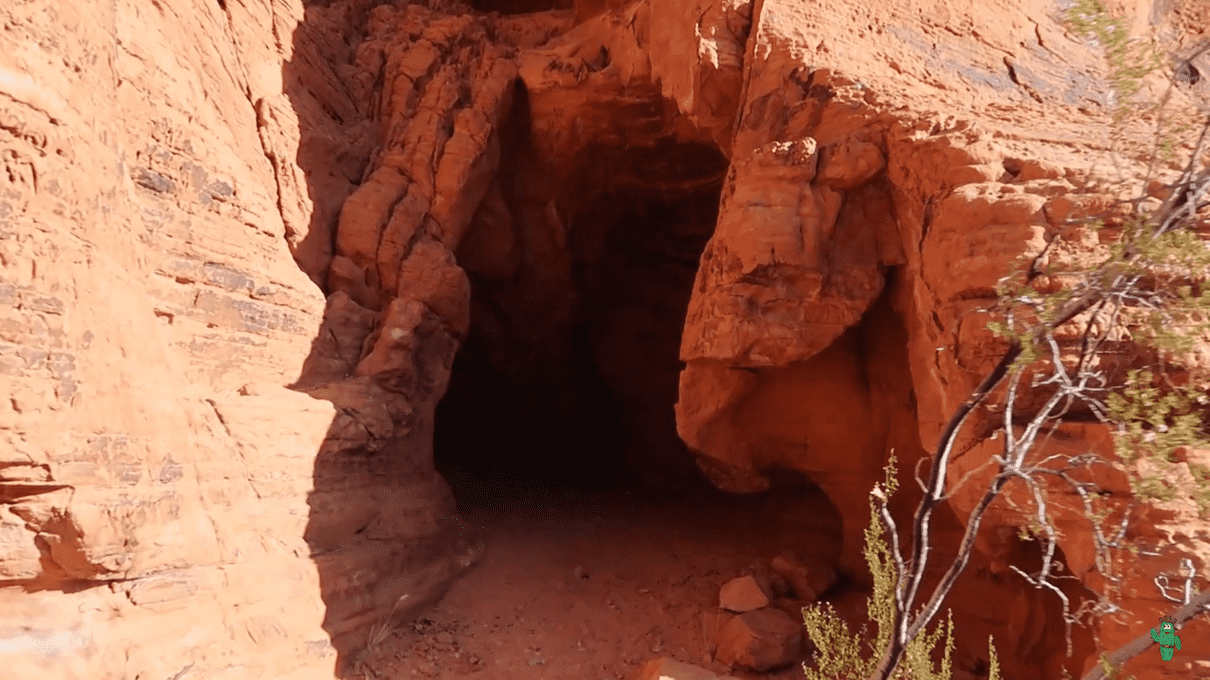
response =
{"points": [[1167, 638]]}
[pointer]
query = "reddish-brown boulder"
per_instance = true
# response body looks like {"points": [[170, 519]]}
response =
{"points": [[761, 640], [742, 594]]}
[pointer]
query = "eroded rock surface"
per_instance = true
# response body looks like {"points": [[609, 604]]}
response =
{"points": [[203, 203], [169, 506]]}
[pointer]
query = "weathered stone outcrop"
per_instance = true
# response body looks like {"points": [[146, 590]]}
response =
{"points": [[398, 308], [151, 526], [169, 507], [829, 193]]}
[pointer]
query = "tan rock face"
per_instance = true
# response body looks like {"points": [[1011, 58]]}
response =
{"points": [[780, 292], [147, 276], [202, 203], [151, 212], [783, 258]]}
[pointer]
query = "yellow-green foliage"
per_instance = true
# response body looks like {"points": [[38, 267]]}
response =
{"points": [[1165, 313], [1153, 413], [844, 655], [1154, 419], [1129, 60], [993, 662], [1154, 422]]}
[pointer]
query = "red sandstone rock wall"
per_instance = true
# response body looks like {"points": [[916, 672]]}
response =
{"points": [[182, 178], [168, 507], [810, 225]]}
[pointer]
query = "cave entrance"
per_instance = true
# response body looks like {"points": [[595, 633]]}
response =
{"points": [[606, 545], [570, 370]]}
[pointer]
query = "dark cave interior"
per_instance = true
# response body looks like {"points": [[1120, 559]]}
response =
{"points": [[578, 384]]}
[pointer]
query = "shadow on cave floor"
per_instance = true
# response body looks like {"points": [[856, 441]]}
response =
{"points": [[591, 583], [584, 571]]}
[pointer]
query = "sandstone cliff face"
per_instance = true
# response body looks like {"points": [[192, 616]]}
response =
{"points": [[160, 484], [242, 241]]}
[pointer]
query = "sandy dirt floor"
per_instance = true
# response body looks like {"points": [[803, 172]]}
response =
{"points": [[588, 585]]}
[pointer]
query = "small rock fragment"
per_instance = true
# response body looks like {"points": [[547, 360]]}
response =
{"points": [[761, 640], [713, 622], [666, 668], [805, 583], [742, 594]]}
